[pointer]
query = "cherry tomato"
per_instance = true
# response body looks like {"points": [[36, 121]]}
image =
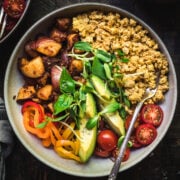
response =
{"points": [[128, 120], [152, 114], [145, 134], [135, 143], [126, 154], [102, 153], [107, 140], [14, 8]]}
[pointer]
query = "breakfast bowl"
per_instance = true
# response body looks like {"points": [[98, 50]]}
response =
{"points": [[13, 21], [95, 166]]}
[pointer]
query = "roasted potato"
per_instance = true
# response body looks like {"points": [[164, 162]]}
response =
{"points": [[76, 67], [45, 92], [57, 35], [47, 46], [25, 93], [71, 39], [32, 69]]}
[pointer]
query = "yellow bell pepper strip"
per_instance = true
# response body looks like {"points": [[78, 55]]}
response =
{"points": [[77, 146], [64, 140], [54, 133], [66, 149], [68, 132]]}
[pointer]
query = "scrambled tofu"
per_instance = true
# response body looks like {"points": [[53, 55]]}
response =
{"points": [[111, 32]]}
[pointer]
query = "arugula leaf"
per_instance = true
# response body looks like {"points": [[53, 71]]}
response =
{"points": [[67, 84], [63, 102], [84, 46]]}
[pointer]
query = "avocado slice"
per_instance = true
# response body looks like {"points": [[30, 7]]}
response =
{"points": [[113, 119], [115, 122], [88, 137], [101, 87]]}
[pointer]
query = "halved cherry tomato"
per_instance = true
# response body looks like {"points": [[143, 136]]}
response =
{"points": [[128, 120], [146, 133], [107, 140], [126, 154], [152, 114], [14, 8], [135, 143], [102, 153]]}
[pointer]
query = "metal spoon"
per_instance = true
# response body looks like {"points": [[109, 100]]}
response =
{"points": [[149, 93]]}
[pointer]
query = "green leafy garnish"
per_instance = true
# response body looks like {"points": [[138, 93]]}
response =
{"points": [[98, 68], [72, 99], [112, 107], [63, 102], [84, 46], [67, 84]]}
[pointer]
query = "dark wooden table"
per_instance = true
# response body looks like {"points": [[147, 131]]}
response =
{"points": [[164, 162]]}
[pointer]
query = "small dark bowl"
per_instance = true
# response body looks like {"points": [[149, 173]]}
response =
{"points": [[17, 24]]}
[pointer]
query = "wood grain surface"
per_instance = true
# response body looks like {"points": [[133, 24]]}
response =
{"points": [[164, 162]]}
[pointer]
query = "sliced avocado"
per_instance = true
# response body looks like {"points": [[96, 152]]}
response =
{"points": [[101, 87], [88, 137], [113, 119], [90, 106], [115, 122]]}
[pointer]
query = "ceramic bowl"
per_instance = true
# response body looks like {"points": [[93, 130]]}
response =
{"points": [[96, 167]]}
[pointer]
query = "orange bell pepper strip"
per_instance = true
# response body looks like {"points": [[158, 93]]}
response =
{"points": [[36, 110], [46, 142], [41, 133], [31, 118]]}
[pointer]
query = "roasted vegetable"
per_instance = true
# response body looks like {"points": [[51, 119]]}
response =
{"points": [[71, 39], [76, 67], [63, 23], [45, 92], [30, 49], [32, 69], [47, 46], [57, 35], [55, 76], [25, 93]]}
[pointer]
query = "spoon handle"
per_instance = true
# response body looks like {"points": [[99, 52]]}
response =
{"points": [[117, 163]]}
